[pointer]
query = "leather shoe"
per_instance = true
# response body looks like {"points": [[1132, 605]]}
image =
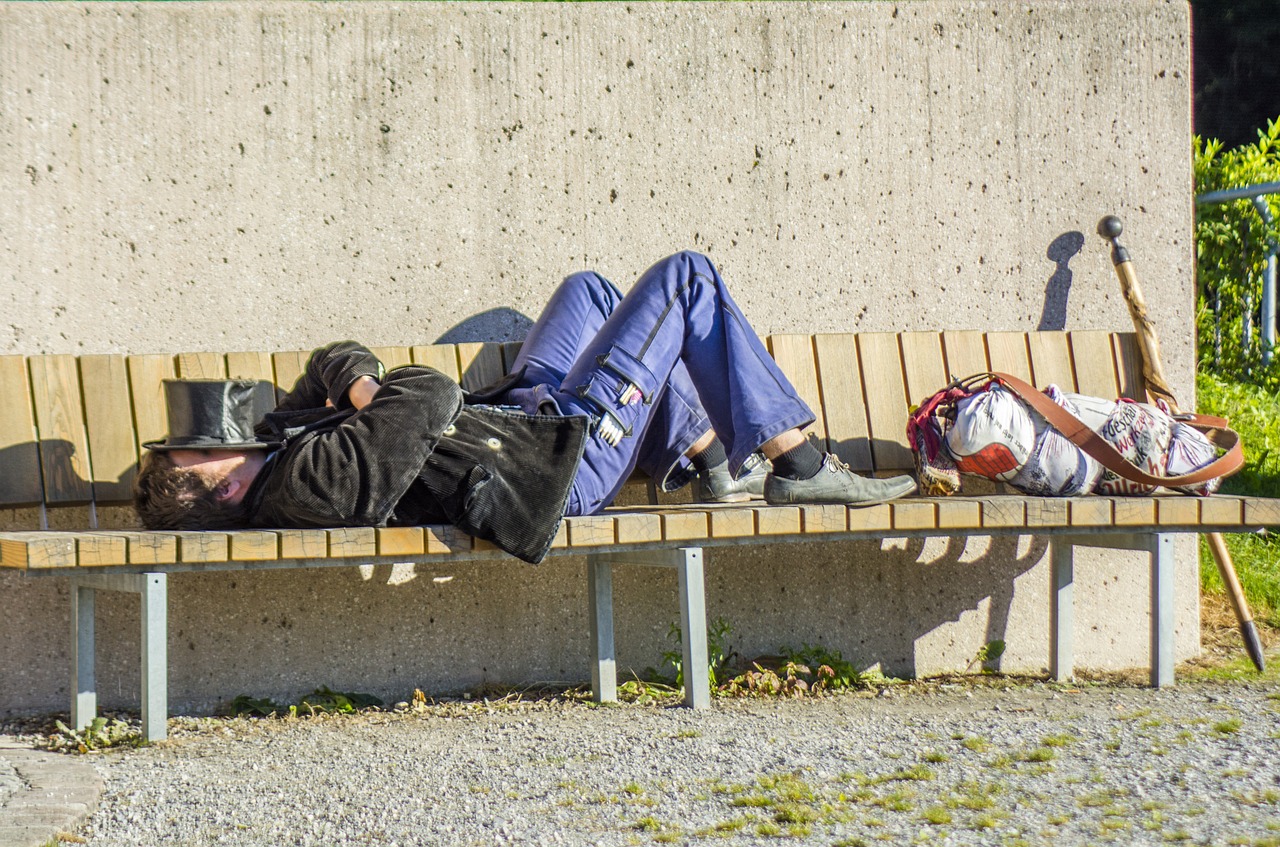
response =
{"points": [[717, 485], [836, 483]]}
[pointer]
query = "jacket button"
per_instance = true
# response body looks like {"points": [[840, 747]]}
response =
{"points": [[450, 430], [494, 444]]}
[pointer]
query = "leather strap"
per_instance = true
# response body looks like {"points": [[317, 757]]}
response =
{"points": [[1071, 427]]}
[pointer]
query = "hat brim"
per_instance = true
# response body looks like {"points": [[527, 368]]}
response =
{"points": [[165, 446]]}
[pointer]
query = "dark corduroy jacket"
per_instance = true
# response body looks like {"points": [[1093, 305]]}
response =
{"points": [[418, 453]]}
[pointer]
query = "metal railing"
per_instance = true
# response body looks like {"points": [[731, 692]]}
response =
{"points": [[1257, 193]]}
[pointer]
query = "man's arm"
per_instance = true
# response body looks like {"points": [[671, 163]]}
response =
{"points": [[331, 377]]}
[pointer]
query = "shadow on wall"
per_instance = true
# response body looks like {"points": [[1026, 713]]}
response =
{"points": [[1061, 250], [501, 324]]}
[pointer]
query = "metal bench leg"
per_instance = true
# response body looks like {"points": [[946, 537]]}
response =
{"points": [[604, 666], [153, 588], [1062, 610], [84, 687], [687, 562], [1162, 611]]}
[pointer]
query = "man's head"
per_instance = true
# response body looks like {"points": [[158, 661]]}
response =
{"points": [[195, 489]]}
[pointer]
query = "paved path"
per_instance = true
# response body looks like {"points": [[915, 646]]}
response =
{"points": [[43, 794]]}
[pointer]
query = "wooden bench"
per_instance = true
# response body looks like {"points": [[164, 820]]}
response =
{"points": [[73, 426]]}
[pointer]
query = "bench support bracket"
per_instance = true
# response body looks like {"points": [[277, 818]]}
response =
{"points": [[153, 589], [687, 562], [1159, 546]]}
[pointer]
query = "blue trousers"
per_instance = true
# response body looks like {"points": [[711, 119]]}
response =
{"points": [[686, 348]]}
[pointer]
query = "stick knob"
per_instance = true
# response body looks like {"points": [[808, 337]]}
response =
{"points": [[1110, 228]]}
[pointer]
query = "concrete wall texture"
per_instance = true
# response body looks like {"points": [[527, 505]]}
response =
{"points": [[224, 176]]}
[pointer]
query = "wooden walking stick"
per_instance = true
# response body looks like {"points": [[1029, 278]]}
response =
{"points": [[1153, 371]]}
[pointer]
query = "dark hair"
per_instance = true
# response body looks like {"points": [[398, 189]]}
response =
{"points": [[169, 497]]}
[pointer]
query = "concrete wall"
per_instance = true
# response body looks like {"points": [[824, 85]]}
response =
{"points": [[274, 175]]}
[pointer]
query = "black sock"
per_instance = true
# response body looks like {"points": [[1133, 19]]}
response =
{"points": [[710, 457], [800, 462]]}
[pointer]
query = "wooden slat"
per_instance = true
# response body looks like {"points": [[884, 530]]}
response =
{"points": [[635, 528], [1007, 352], [959, 513], [1259, 512], [1047, 511], [1003, 512], [442, 357], [591, 531], [777, 520], [94, 550], [684, 526], [393, 357], [1220, 510], [252, 545], [1177, 510], [113, 444], [1095, 364], [923, 366], [843, 406], [794, 355], [510, 349], [289, 366], [914, 514], [201, 366], [481, 363], [146, 389], [886, 394], [149, 548], [966, 353], [732, 523], [64, 445], [824, 518], [1051, 360], [401, 541], [870, 518], [303, 543], [202, 546], [561, 539], [1129, 366], [1133, 511], [37, 550], [447, 539], [19, 453], [346, 542], [1090, 511]]}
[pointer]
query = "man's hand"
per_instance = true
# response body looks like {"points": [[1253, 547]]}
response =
{"points": [[362, 391]]}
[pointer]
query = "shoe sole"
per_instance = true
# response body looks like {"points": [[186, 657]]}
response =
{"points": [[911, 489]]}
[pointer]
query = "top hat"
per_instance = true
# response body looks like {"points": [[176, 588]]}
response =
{"points": [[210, 414]]}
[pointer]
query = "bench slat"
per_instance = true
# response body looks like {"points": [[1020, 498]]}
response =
{"points": [[481, 363], [146, 390], [401, 541], [1129, 366], [684, 526], [113, 444], [966, 353], [38, 550], [393, 357], [843, 406], [64, 444], [1051, 360], [20, 483], [733, 523], [794, 355], [442, 357], [886, 393], [923, 367], [1007, 352], [638, 528], [1095, 364], [591, 531], [201, 366]]}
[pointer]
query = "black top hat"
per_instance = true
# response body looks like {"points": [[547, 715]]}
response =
{"points": [[210, 414]]}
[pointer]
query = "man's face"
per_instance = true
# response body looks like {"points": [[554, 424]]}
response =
{"points": [[229, 472]]}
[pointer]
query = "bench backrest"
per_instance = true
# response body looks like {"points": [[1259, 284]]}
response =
{"points": [[72, 427]]}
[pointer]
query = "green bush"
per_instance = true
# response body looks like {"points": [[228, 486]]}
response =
{"points": [[1230, 245]]}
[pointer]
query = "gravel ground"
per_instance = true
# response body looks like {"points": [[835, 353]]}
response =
{"points": [[935, 763]]}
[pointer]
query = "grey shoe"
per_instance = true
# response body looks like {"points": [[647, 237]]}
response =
{"points": [[836, 483], [717, 485]]}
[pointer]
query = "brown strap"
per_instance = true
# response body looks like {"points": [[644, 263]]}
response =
{"points": [[1215, 429]]}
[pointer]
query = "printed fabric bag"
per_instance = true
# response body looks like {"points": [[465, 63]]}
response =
{"points": [[1058, 444]]}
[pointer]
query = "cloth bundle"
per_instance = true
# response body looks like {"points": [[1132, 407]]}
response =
{"points": [[1059, 444]]}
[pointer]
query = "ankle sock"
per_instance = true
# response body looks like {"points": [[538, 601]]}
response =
{"points": [[800, 462], [710, 457]]}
